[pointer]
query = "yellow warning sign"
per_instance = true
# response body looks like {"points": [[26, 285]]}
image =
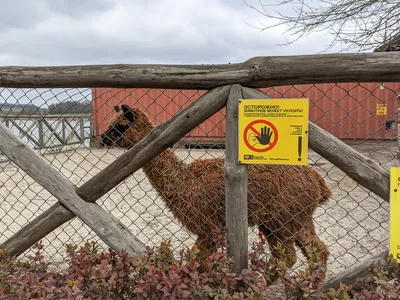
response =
{"points": [[394, 218], [381, 109], [273, 131]]}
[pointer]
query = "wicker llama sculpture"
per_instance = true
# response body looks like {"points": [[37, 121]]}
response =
{"points": [[281, 199]]}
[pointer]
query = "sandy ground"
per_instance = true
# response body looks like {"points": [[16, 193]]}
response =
{"points": [[354, 224]]}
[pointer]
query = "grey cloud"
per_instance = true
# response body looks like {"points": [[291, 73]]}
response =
{"points": [[26, 14], [79, 8], [104, 31], [21, 14]]}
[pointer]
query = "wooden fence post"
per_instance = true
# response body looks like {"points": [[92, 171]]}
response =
{"points": [[63, 131], [82, 129], [235, 187]]}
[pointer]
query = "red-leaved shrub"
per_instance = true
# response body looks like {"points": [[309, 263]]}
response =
{"points": [[93, 274]]}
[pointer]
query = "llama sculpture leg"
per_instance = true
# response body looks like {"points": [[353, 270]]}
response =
{"points": [[205, 246], [308, 237], [309, 243], [275, 240]]}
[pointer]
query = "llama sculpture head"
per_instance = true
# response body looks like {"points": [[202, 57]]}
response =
{"points": [[128, 126]]}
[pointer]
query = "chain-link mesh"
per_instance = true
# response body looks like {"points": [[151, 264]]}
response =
{"points": [[65, 126]]}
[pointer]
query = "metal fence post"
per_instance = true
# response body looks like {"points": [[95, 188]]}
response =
{"points": [[41, 133], [235, 187], [82, 130], [63, 131]]}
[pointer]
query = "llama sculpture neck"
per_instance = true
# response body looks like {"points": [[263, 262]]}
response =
{"points": [[166, 171]]}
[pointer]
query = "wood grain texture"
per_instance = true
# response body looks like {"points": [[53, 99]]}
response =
{"points": [[258, 72], [236, 181], [158, 140], [357, 166], [37, 229], [106, 226]]}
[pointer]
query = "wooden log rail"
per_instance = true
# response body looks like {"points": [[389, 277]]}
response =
{"points": [[360, 270], [257, 72]]}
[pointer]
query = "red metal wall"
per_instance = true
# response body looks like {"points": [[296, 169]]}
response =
{"points": [[346, 110], [159, 104]]}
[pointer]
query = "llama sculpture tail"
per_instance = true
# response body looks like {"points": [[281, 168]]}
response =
{"points": [[326, 193]]}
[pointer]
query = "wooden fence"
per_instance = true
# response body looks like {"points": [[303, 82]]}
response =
{"points": [[226, 84]]}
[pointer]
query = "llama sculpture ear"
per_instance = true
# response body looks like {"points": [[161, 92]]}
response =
{"points": [[128, 113], [116, 108]]}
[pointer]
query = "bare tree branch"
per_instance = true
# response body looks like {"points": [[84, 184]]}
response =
{"points": [[361, 24]]}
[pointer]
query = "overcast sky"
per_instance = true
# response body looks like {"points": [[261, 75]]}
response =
{"points": [[60, 32], [72, 32]]}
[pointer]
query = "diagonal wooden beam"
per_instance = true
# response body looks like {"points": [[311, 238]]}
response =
{"points": [[159, 139], [107, 227], [360, 270]]}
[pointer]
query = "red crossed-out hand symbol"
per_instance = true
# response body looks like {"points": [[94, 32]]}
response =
{"points": [[266, 135]]}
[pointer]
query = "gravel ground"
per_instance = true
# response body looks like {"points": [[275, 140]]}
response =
{"points": [[354, 224]]}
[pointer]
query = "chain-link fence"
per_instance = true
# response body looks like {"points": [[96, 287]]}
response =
{"points": [[65, 125]]}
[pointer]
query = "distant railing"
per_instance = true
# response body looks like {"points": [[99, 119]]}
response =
{"points": [[51, 132]]}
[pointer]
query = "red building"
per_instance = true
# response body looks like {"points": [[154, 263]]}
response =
{"points": [[346, 110]]}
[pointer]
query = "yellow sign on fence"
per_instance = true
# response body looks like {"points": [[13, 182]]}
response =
{"points": [[394, 218], [273, 131], [381, 109]]}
